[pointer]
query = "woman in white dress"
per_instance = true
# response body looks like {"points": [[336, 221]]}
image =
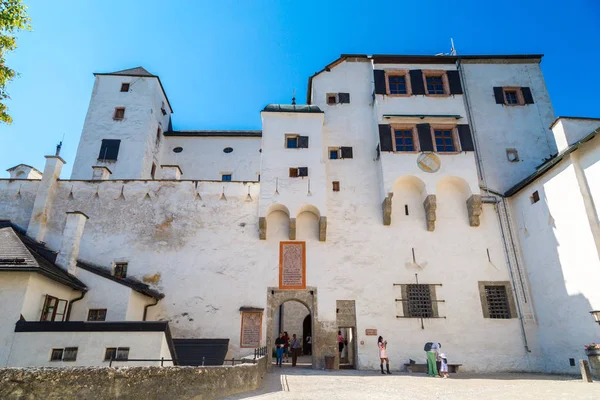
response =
{"points": [[383, 354]]}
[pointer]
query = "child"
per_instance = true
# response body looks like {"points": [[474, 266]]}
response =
{"points": [[444, 366]]}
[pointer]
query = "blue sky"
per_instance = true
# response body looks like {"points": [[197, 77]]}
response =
{"points": [[222, 61]]}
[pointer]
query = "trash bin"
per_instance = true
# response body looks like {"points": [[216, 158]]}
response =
{"points": [[329, 362]]}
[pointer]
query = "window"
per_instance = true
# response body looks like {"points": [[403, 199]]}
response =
{"points": [[119, 113], [510, 97], [54, 309], [513, 95], [335, 98], [109, 150], [162, 108], [227, 150], [116, 353], [153, 170], [124, 87], [298, 172], [336, 186], [56, 355], [336, 153], [70, 354], [419, 301], [535, 197], [226, 177], [497, 300], [177, 149], [404, 139], [444, 140], [97, 314], [397, 84], [436, 83], [120, 270], [331, 98], [296, 142]]}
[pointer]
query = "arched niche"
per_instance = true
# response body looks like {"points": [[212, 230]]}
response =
{"points": [[409, 192]]}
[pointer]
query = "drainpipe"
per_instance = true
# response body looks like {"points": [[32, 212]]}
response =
{"points": [[147, 306], [508, 247], [68, 316]]}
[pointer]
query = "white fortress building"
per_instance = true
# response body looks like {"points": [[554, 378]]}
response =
{"points": [[421, 198]]}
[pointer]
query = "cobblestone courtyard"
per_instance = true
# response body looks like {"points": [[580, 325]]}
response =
{"points": [[297, 384]]}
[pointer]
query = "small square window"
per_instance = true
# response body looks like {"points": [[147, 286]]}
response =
{"points": [[110, 353], [293, 172], [291, 142], [120, 270], [226, 178], [124, 87], [397, 84], [153, 170], [302, 171], [444, 140], [404, 140], [336, 186], [510, 96], [97, 314], [56, 355], [122, 353], [535, 197], [435, 84], [331, 98], [497, 302], [119, 113], [334, 154], [70, 354]]}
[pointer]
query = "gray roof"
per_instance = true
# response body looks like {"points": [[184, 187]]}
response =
{"points": [[19, 253], [24, 165], [137, 71], [205, 133], [292, 108]]}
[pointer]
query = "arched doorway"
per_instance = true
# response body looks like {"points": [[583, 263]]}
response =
{"points": [[293, 319], [296, 301]]}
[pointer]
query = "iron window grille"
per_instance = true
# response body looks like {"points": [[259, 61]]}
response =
{"points": [[419, 304], [56, 355], [70, 354], [497, 302], [116, 354]]}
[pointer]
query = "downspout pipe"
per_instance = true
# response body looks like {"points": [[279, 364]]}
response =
{"points": [[68, 316], [148, 306]]}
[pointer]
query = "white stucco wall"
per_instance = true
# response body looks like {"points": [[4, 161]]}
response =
{"points": [[498, 127], [203, 158], [13, 287], [16, 200], [561, 258], [37, 289], [567, 131], [137, 131], [33, 349]]}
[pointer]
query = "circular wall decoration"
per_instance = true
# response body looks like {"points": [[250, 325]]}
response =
{"points": [[227, 150], [177, 149], [428, 162]]}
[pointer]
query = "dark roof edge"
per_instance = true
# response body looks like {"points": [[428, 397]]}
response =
{"points": [[25, 165], [96, 326], [567, 117], [49, 275], [138, 286], [549, 164], [214, 133], [140, 76]]}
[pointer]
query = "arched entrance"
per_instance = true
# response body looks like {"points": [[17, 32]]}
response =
{"points": [[276, 318]]}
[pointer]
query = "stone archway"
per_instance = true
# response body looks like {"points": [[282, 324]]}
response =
{"points": [[307, 297]]}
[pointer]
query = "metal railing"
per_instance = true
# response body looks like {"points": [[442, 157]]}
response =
{"points": [[258, 352]]}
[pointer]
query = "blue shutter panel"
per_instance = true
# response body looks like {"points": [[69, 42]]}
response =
{"points": [[425, 139], [379, 76], [454, 82], [385, 137], [416, 81]]}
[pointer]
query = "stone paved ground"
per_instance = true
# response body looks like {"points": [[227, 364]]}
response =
{"points": [[300, 384]]}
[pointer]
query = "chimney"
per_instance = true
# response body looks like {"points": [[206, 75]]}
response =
{"points": [[569, 130], [69, 248], [171, 172], [100, 173], [44, 198]]}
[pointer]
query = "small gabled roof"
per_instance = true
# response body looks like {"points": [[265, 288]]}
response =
{"points": [[19, 253], [134, 284], [23, 165], [141, 72], [293, 108]]}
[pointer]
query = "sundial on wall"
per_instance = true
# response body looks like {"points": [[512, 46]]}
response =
{"points": [[428, 162]]}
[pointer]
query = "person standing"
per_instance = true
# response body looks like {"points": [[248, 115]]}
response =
{"points": [[286, 347], [279, 343], [309, 345], [295, 345], [340, 340], [444, 366], [432, 350], [382, 344]]}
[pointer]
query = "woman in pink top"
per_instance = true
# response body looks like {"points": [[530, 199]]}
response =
{"points": [[341, 341], [383, 355]]}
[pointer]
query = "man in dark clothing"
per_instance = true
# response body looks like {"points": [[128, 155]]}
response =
{"points": [[295, 344], [279, 343]]}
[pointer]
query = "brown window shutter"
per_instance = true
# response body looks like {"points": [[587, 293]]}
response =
{"points": [[527, 96], [416, 81], [303, 142], [346, 152], [379, 76], [344, 97], [464, 134], [303, 171], [499, 95], [454, 82], [293, 172], [385, 137], [425, 139]]}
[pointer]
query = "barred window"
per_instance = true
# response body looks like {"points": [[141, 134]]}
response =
{"points": [[497, 302], [419, 301], [70, 354]]}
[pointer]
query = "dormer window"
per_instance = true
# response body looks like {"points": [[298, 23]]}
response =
{"points": [[120, 270]]}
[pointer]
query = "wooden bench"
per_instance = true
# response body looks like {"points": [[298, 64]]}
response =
{"points": [[452, 368]]}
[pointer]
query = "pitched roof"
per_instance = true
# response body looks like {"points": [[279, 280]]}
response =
{"points": [[134, 284], [21, 254], [23, 165], [292, 108]]}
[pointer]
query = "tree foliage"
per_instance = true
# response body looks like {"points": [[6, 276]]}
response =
{"points": [[13, 18]]}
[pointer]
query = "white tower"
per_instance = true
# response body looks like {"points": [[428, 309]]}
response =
{"points": [[124, 125]]}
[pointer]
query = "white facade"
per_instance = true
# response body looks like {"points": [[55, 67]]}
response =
{"points": [[197, 238]]}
